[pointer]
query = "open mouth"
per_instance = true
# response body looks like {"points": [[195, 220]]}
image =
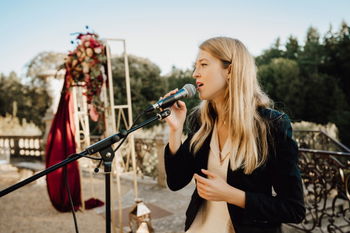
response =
{"points": [[200, 85]]}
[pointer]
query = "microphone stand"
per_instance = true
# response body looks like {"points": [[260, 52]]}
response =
{"points": [[104, 148]]}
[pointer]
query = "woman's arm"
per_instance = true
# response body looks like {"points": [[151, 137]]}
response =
{"points": [[179, 166], [175, 140], [288, 205], [179, 160]]}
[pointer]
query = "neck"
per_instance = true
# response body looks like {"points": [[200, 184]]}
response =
{"points": [[219, 107]]}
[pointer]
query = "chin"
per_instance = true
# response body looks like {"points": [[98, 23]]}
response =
{"points": [[201, 97], [208, 96]]}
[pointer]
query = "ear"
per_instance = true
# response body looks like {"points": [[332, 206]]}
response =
{"points": [[228, 71]]}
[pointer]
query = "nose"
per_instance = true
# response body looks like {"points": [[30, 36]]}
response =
{"points": [[195, 73]]}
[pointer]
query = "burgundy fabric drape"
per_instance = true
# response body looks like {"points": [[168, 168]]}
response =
{"points": [[61, 144]]}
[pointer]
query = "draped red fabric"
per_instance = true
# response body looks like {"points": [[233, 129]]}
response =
{"points": [[61, 144]]}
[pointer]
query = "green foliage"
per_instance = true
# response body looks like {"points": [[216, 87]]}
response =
{"points": [[281, 80], [146, 84], [292, 48], [29, 95], [32, 102], [311, 82], [269, 54], [177, 78]]}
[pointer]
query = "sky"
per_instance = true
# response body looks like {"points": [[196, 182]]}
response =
{"points": [[166, 32]]}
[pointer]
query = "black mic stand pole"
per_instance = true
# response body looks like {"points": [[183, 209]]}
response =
{"points": [[104, 148]]}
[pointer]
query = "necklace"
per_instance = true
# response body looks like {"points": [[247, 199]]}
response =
{"points": [[223, 159]]}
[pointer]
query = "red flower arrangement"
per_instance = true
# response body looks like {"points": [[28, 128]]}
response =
{"points": [[85, 66]]}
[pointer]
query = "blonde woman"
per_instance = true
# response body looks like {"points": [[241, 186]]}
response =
{"points": [[239, 151]]}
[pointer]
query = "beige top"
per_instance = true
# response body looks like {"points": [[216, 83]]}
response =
{"points": [[213, 216]]}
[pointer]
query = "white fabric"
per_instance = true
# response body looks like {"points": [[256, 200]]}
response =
{"points": [[213, 217]]}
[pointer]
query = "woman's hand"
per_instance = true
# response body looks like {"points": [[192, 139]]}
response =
{"points": [[177, 117], [217, 189], [212, 188]]}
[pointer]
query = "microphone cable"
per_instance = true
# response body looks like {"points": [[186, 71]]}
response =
{"points": [[90, 157], [70, 198]]}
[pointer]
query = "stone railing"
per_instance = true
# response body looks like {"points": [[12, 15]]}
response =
{"points": [[323, 161], [21, 148], [149, 157]]}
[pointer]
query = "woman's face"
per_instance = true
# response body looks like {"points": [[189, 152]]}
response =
{"points": [[210, 76]]}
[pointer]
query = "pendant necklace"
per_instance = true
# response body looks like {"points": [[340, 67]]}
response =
{"points": [[220, 156], [223, 159]]}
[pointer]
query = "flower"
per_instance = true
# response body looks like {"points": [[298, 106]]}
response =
{"points": [[84, 64], [89, 52], [98, 50], [87, 44], [86, 67]]}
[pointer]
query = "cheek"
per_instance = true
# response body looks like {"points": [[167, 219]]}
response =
{"points": [[217, 83]]}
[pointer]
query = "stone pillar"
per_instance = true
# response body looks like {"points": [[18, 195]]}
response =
{"points": [[54, 84], [161, 140]]}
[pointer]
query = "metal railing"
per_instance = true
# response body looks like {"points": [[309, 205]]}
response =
{"points": [[325, 169], [324, 163]]}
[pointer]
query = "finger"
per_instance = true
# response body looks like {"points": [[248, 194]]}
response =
{"points": [[202, 187], [208, 173], [177, 104], [160, 98], [200, 179], [181, 104], [171, 92], [201, 193]]}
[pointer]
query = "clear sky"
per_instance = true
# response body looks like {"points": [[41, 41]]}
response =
{"points": [[166, 32]]}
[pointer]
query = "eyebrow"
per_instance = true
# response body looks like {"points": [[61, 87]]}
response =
{"points": [[203, 59]]}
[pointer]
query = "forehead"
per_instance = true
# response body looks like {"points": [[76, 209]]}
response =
{"points": [[204, 56]]}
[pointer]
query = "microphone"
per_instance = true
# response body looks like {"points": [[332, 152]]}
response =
{"points": [[187, 91]]}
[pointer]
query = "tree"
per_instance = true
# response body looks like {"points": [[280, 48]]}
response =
{"points": [[292, 48], [145, 82], [312, 54], [274, 52], [311, 81], [282, 82], [177, 78], [32, 102]]}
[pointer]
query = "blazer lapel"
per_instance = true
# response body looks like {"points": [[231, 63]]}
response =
{"points": [[202, 156]]}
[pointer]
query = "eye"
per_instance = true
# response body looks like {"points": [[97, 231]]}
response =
{"points": [[204, 64]]}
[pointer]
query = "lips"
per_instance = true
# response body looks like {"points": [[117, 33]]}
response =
{"points": [[199, 84]]}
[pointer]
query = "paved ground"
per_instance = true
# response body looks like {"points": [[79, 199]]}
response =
{"points": [[29, 209]]}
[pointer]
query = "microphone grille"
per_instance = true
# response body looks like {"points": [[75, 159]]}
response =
{"points": [[191, 90]]}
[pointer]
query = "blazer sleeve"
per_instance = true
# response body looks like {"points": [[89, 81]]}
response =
{"points": [[179, 167], [288, 205]]}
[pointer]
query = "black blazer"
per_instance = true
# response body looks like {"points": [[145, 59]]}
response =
{"points": [[263, 212]]}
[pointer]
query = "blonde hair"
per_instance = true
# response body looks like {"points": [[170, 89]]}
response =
{"points": [[243, 95]]}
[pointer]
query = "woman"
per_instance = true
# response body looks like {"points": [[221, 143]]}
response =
{"points": [[239, 151]]}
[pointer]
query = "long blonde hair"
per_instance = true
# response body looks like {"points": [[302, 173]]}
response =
{"points": [[243, 95]]}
